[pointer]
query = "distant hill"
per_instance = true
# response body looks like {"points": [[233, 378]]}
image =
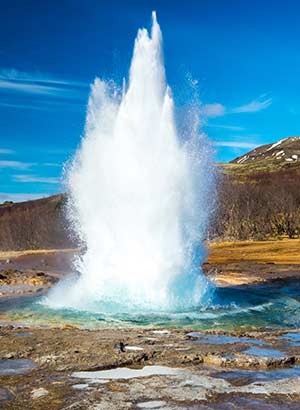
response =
{"points": [[38, 224], [281, 157], [281, 152], [259, 193], [258, 198]]}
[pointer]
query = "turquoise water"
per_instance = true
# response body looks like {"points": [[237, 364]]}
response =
{"points": [[276, 305]]}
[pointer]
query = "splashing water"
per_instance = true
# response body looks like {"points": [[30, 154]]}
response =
{"points": [[139, 196]]}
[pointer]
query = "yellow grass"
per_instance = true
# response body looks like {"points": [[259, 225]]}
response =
{"points": [[16, 254], [285, 251]]}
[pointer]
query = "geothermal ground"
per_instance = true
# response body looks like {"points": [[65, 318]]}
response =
{"points": [[69, 368], [61, 366]]}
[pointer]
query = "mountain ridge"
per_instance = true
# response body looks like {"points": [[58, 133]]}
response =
{"points": [[284, 150]]}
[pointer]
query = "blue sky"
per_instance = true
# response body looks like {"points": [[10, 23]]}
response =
{"points": [[244, 56]]}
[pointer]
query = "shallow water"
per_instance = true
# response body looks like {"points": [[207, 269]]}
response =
{"points": [[15, 366], [222, 339], [23, 334], [128, 373], [5, 395], [263, 352], [268, 306], [293, 339], [254, 376]]}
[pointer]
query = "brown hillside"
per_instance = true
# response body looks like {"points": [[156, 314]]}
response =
{"points": [[38, 224], [257, 199], [259, 194]]}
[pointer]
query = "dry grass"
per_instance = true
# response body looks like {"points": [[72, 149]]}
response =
{"points": [[16, 254], [285, 251]]}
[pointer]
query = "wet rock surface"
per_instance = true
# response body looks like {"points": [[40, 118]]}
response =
{"points": [[85, 369]]}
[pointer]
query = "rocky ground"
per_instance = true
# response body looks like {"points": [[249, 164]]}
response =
{"points": [[32, 272], [70, 368], [146, 368]]}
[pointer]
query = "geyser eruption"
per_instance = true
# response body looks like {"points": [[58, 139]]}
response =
{"points": [[138, 196]]}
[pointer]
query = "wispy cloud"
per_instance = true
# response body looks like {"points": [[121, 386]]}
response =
{"points": [[226, 127], [34, 178], [219, 110], [213, 110], [6, 151], [52, 164], [20, 197], [12, 74], [29, 87], [15, 81], [235, 144], [261, 103], [45, 106], [15, 165]]}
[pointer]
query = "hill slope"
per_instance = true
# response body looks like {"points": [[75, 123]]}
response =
{"points": [[285, 150], [258, 198], [279, 157], [259, 193], [38, 224]]}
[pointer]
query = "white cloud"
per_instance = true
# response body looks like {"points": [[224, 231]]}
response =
{"points": [[12, 74], [34, 178], [45, 106], [219, 110], [226, 127], [52, 164], [14, 81], [30, 88], [15, 164], [22, 106], [213, 110], [235, 144], [257, 105], [20, 197]]}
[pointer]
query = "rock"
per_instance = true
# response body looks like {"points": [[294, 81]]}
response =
{"points": [[38, 393], [121, 347], [155, 404], [40, 274], [10, 355]]}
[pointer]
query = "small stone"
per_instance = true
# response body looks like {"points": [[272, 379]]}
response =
{"points": [[155, 404], [121, 347], [80, 386], [37, 393], [9, 356]]}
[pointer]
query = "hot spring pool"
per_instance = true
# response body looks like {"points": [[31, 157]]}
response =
{"points": [[275, 305]]}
